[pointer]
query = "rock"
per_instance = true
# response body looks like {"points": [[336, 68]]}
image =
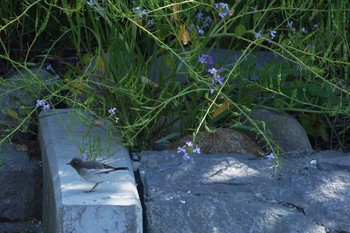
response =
{"points": [[328, 160], [239, 193], [30, 226], [228, 141], [21, 181], [285, 130]]}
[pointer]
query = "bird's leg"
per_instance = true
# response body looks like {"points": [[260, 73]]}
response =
{"points": [[93, 188]]}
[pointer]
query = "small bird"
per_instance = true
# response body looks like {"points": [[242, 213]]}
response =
{"points": [[92, 171]]}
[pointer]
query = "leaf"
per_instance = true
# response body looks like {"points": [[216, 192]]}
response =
{"points": [[86, 59], [240, 30], [257, 16], [314, 125], [148, 81], [221, 109], [169, 136], [13, 115], [77, 86]]}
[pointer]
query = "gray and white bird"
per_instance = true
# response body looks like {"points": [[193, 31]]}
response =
{"points": [[93, 171]]}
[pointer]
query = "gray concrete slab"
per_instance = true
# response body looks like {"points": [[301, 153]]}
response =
{"points": [[114, 207]]}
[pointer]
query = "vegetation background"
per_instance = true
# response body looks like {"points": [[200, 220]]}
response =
{"points": [[101, 56]]}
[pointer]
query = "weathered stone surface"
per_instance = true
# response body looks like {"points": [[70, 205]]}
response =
{"points": [[20, 181], [285, 130], [327, 160], [222, 214], [239, 193], [30, 226], [227, 141]]}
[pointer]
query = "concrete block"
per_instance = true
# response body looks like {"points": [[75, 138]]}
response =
{"points": [[114, 207]]}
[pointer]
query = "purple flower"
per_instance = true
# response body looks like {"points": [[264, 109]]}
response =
{"points": [[215, 71], [199, 15], [258, 34], [43, 104], [270, 157], [181, 150], [84, 156], [187, 150], [189, 143], [303, 30], [90, 3], [289, 24], [140, 12], [102, 10], [112, 111], [219, 79], [205, 59], [223, 8], [191, 27], [49, 67], [316, 26], [272, 34], [216, 76], [151, 23], [197, 150], [208, 20], [200, 31]]}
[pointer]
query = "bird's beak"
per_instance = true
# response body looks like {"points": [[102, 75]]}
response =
{"points": [[68, 164]]}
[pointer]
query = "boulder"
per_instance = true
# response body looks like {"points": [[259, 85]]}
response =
{"points": [[285, 130], [227, 141]]}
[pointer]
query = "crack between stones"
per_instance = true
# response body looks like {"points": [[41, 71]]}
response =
{"points": [[292, 206], [11, 220]]}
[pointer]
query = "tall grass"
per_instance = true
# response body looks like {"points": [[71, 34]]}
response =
{"points": [[118, 44]]}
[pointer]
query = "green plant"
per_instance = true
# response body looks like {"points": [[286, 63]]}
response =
{"points": [[150, 62]]}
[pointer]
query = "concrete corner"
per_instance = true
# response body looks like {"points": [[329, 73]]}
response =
{"points": [[114, 207]]}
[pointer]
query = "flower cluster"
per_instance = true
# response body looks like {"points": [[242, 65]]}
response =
{"points": [[140, 12], [112, 112], [202, 23], [43, 104], [223, 9], [92, 3], [206, 59], [216, 76], [271, 35], [187, 150], [56, 78], [290, 25]]}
